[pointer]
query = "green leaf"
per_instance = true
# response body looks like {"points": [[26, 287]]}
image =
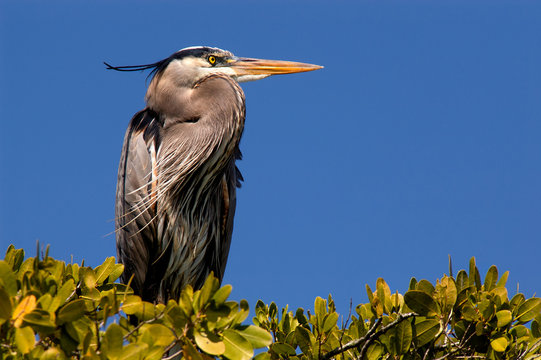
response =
{"points": [[320, 307], [447, 293], [422, 303], [5, 306], [160, 334], [208, 289], [529, 309], [244, 311], [118, 269], [236, 346], [185, 301], [283, 349], [14, 257], [7, 278], [189, 352], [461, 280], [263, 356], [114, 340], [491, 278], [209, 343], [103, 271], [78, 330], [88, 277], [44, 302], [503, 279], [500, 292], [471, 274], [370, 294], [53, 354], [24, 339], [426, 287], [257, 336], [134, 351], [133, 305], [499, 344], [403, 337], [330, 322], [425, 331], [304, 340], [413, 284], [221, 295], [536, 326], [504, 317], [519, 331], [62, 295], [516, 301], [71, 311], [384, 295], [374, 352], [40, 319]]}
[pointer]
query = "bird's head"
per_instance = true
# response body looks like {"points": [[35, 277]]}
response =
{"points": [[191, 64]]}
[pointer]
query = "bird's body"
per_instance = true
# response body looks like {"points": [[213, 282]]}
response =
{"points": [[177, 179]]}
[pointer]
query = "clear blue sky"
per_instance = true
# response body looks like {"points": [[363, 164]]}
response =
{"points": [[420, 138]]}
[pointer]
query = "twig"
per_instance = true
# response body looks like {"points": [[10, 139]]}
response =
{"points": [[352, 344], [383, 330], [156, 317], [344, 326], [173, 356], [529, 350], [171, 346]]}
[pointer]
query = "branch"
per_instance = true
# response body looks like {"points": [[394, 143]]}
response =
{"points": [[383, 330], [369, 338]]}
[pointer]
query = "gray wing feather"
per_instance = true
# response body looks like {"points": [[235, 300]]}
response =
{"points": [[136, 233]]}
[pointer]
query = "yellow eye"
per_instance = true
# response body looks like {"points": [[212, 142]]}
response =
{"points": [[212, 60]]}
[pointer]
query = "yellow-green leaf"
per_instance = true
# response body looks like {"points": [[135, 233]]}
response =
{"points": [[425, 286], [134, 351], [53, 354], [161, 334], [425, 331], [304, 339], [41, 319], [7, 278], [282, 349], [499, 344], [209, 343], [5, 306], [403, 337], [420, 302], [114, 340], [236, 346], [330, 322], [504, 317], [257, 336], [374, 352], [491, 278], [190, 352], [448, 293], [221, 295], [103, 271], [24, 339], [529, 309], [118, 269], [73, 310], [263, 356]]}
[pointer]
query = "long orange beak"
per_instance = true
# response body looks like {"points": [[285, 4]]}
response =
{"points": [[261, 67]]}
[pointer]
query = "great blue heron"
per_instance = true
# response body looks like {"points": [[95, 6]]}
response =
{"points": [[177, 178]]}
